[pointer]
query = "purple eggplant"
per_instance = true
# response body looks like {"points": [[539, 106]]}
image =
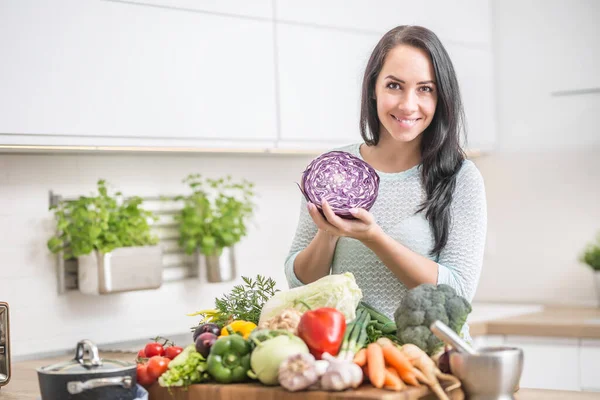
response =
{"points": [[208, 327], [204, 342]]}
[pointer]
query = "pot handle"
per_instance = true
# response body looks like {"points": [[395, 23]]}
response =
{"points": [[76, 387], [92, 352]]}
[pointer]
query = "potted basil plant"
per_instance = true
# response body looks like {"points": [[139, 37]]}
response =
{"points": [[213, 219], [111, 238], [591, 257]]}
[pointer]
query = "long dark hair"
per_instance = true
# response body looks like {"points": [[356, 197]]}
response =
{"points": [[441, 152]]}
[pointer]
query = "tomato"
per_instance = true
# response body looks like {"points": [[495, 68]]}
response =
{"points": [[143, 378], [154, 349], [141, 353], [157, 365], [173, 351]]}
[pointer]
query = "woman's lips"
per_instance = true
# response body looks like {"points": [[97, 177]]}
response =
{"points": [[406, 122]]}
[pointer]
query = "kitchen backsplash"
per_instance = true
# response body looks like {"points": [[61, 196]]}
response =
{"points": [[44, 321], [542, 210]]}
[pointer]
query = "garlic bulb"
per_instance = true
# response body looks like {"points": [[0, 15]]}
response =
{"points": [[341, 375], [298, 372]]}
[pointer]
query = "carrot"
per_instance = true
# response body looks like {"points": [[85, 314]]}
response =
{"points": [[365, 369], [376, 365], [394, 357], [360, 358], [428, 370], [392, 371], [392, 380]]}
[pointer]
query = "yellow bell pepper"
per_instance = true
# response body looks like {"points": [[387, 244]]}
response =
{"points": [[243, 328]]}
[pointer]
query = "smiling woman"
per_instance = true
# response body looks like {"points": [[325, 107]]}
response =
{"points": [[428, 223]]}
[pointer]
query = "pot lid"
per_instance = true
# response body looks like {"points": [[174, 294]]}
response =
{"points": [[91, 365]]}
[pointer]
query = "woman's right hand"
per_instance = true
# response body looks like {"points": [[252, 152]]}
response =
{"points": [[322, 224]]}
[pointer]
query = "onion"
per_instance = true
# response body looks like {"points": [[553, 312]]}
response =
{"points": [[342, 179]]}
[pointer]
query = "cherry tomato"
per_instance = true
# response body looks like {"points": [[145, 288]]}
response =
{"points": [[173, 351], [154, 349], [157, 365], [141, 353], [143, 378]]}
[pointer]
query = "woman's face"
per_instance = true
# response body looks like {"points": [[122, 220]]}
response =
{"points": [[406, 93]]}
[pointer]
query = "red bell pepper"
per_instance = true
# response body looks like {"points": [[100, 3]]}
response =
{"points": [[322, 330]]}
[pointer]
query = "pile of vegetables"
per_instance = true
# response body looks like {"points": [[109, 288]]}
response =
{"points": [[343, 180], [317, 337]]}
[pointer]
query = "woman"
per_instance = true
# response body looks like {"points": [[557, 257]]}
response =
{"points": [[428, 223]]}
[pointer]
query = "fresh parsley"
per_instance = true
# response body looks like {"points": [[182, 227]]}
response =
{"points": [[245, 302]]}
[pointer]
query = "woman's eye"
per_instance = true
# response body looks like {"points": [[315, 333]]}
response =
{"points": [[427, 89], [393, 85]]}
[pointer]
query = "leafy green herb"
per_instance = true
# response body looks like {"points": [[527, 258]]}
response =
{"points": [[373, 333], [245, 302], [101, 223], [215, 214], [591, 255]]}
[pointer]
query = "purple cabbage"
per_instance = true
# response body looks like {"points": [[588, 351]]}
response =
{"points": [[342, 179]]}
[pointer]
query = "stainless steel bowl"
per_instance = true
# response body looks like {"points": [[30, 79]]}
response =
{"points": [[491, 374]]}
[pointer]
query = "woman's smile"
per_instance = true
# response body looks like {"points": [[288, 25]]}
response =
{"points": [[407, 123]]}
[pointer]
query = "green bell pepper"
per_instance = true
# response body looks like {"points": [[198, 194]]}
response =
{"points": [[229, 359]]}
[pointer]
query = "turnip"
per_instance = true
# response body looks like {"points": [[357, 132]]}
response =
{"points": [[269, 354]]}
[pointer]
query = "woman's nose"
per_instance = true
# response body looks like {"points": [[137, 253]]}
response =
{"points": [[408, 102]]}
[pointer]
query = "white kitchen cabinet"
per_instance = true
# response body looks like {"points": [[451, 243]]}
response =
{"points": [[549, 363], [93, 72], [245, 8], [470, 20], [588, 364], [320, 76]]}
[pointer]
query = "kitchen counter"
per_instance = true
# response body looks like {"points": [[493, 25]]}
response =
{"points": [[535, 320], [24, 385]]}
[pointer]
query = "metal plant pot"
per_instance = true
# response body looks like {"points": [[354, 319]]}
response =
{"points": [[219, 268], [122, 270]]}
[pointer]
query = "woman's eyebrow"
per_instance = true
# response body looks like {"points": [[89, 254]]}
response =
{"points": [[401, 81]]}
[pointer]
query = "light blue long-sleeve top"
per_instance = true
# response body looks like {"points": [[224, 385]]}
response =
{"points": [[400, 195]]}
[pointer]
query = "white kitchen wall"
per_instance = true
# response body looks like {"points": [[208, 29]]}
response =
{"points": [[43, 321], [543, 179]]}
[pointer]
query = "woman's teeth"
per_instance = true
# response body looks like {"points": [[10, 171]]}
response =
{"points": [[406, 121]]}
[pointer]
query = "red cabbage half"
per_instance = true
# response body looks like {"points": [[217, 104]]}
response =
{"points": [[342, 179]]}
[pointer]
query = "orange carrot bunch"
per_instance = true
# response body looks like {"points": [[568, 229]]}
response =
{"points": [[386, 367], [391, 367]]}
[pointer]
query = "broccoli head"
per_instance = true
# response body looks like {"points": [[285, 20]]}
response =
{"points": [[421, 307]]}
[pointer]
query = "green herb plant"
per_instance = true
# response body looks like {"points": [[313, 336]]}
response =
{"points": [[215, 214], [591, 254], [245, 302], [102, 223]]}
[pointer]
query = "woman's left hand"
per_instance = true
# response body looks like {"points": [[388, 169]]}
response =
{"points": [[363, 228]]}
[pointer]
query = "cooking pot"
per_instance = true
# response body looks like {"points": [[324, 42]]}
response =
{"points": [[88, 378]]}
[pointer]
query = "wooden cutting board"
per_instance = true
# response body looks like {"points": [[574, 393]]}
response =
{"points": [[255, 391]]}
